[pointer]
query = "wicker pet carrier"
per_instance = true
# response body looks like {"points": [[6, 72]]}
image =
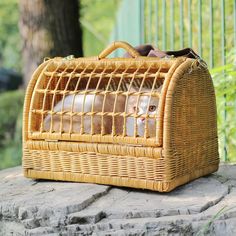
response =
{"points": [[93, 120]]}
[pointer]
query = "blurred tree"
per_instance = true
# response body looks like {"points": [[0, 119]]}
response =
{"points": [[48, 28]]}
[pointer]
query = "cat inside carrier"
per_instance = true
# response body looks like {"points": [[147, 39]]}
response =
{"points": [[140, 122]]}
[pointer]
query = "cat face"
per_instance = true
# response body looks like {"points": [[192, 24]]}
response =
{"points": [[146, 105]]}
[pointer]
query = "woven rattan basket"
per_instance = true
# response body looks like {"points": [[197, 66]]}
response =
{"points": [[184, 146]]}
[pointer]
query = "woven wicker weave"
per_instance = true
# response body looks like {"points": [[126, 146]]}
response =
{"points": [[185, 146]]}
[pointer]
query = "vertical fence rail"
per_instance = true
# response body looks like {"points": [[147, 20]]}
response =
{"points": [[234, 24], [172, 25], [190, 22], [181, 24], [200, 27], [164, 24], [142, 20], [211, 35], [223, 62], [156, 21], [149, 21]]}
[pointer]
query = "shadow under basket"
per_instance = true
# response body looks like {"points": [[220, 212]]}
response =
{"points": [[92, 143]]}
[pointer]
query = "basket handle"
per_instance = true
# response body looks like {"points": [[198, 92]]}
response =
{"points": [[118, 44]]}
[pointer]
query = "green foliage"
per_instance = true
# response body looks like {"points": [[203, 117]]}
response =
{"points": [[10, 107], [97, 19], [10, 155], [9, 35], [224, 78], [10, 128]]}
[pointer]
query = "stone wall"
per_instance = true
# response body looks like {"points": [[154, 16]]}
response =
{"points": [[206, 206]]}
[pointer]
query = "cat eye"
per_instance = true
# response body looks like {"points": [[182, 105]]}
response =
{"points": [[136, 109], [152, 108]]}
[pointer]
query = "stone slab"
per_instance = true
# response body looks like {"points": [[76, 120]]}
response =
{"points": [[35, 207]]}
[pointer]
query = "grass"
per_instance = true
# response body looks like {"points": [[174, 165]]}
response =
{"points": [[204, 230]]}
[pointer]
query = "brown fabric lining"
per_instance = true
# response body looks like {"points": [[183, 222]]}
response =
{"points": [[149, 51]]}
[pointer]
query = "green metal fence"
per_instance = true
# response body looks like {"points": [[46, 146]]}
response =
{"points": [[209, 27]]}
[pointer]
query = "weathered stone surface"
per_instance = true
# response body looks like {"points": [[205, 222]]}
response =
{"points": [[204, 206]]}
